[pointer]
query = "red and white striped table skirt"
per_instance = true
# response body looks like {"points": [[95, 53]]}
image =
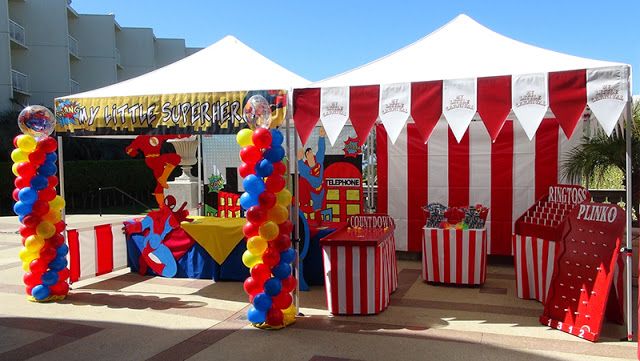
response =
{"points": [[96, 250], [534, 261], [359, 279], [454, 256]]}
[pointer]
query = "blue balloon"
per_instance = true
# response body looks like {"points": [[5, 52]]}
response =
{"points": [[58, 263], [262, 302], [21, 208], [287, 256], [51, 157], [282, 270], [274, 154], [248, 200], [272, 286], [255, 316], [40, 292], [20, 218], [39, 182], [253, 184], [47, 169], [63, 250], [27, 195], [264, 168], [49, 278], [276, 137]]}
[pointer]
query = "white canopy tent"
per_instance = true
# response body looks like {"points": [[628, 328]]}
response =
{"points": [[462, 72]]}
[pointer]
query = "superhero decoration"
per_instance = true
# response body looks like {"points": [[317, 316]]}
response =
{"points": [[160, 164], [39, 208], [268, 229]]}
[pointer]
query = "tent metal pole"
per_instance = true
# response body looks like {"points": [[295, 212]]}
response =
{"points": [[200, 178], [296, 215], [629, 211], [61, 177]]}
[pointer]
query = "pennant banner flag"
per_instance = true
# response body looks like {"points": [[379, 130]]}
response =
{"points": [[363, 109], [568, 98], [494, 103], [607, 94], [334, 110], [395, 104], [306, 112], [459, 104], [530, 100]]}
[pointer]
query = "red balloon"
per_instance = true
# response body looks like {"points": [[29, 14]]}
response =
{"points": [[31, 279], [21, 182], [275, 183], [271, 257], [38, 266], [279, 168], [28, 290], [286, 227], [261, 138], [15, 140], [52, 181], [288, 284], [31, 221], [48, 145], [37, 157], [26, 169], [56, 240], [27, 231], [246, 169], [47, 194], [252, 287], [48, 253], [250, 154], [14, 194], [267, 199], [40, 208], [249, 230], [275, 317], [281, 243], [282, 300], [63, 274], [60, 226], [59, 289], [256, 215], [261, 272]]}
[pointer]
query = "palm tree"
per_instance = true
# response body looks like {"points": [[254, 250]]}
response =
{"points": [[598, 153]]}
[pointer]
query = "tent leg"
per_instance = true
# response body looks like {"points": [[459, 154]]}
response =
{"points": [[629, 211], [200, 208]]}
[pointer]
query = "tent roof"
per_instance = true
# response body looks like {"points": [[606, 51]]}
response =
{"points": [[227, 65], [462, 48]]}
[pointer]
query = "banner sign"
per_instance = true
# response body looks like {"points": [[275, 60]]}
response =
{"points": [[190, 113]]}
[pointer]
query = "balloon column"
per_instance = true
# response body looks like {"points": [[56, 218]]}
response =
{"points": [[38, 207], [268, 229]]}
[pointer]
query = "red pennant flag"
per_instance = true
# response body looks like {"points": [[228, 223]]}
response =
{"points": [[568, 98], [426, 106], [363, 109], [494, 103], [306, 111]]}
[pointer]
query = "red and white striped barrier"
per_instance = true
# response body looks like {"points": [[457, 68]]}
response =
{"points": [[454, 256], [96, 250], [534, 262]]}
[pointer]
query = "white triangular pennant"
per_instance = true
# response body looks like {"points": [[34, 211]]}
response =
{"points": [[395, 105], [607, 94], [459, 104], [530, 100], [334, 110]]}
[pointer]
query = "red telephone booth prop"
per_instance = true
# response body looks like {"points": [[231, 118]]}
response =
{"points": [[344, 190]]}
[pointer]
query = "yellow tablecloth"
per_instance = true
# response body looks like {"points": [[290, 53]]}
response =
{"points": [[218, 236]]}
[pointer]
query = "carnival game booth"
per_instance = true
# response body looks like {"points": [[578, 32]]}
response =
{"points": [[220, 90], [467, 116]]}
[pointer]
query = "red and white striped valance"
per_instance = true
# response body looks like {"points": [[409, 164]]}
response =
{"points": [[529, 96]]}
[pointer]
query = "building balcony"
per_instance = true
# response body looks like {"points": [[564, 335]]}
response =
{"points": [[19, 82], [118, 59], [17, 34], [73, 47], [74, 86]]}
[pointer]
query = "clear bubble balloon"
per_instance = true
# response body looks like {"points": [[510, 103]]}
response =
{"points": [[257, 112], [36, 121]]}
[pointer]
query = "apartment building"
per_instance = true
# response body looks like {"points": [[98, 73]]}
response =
{"points": [[49, 50]]}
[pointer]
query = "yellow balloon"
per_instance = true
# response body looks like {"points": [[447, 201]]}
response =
{"points": [[33, 243], [14, 169], [283, 198], [278, 214], [25, 266], [244, 137], [249, 259], [269, 230], [26, 256], [26, 143], [45, 229], [19, 156], [256, 245], [53, 216], [57, 203]]}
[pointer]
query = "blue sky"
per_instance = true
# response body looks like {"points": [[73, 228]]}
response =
{"points": [[317, 39]]}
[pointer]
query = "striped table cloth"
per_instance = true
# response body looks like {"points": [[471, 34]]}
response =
{"points": [[454, 256]]}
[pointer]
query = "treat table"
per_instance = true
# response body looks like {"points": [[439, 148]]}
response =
{"points": [[359, 270], [454, 256]]}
